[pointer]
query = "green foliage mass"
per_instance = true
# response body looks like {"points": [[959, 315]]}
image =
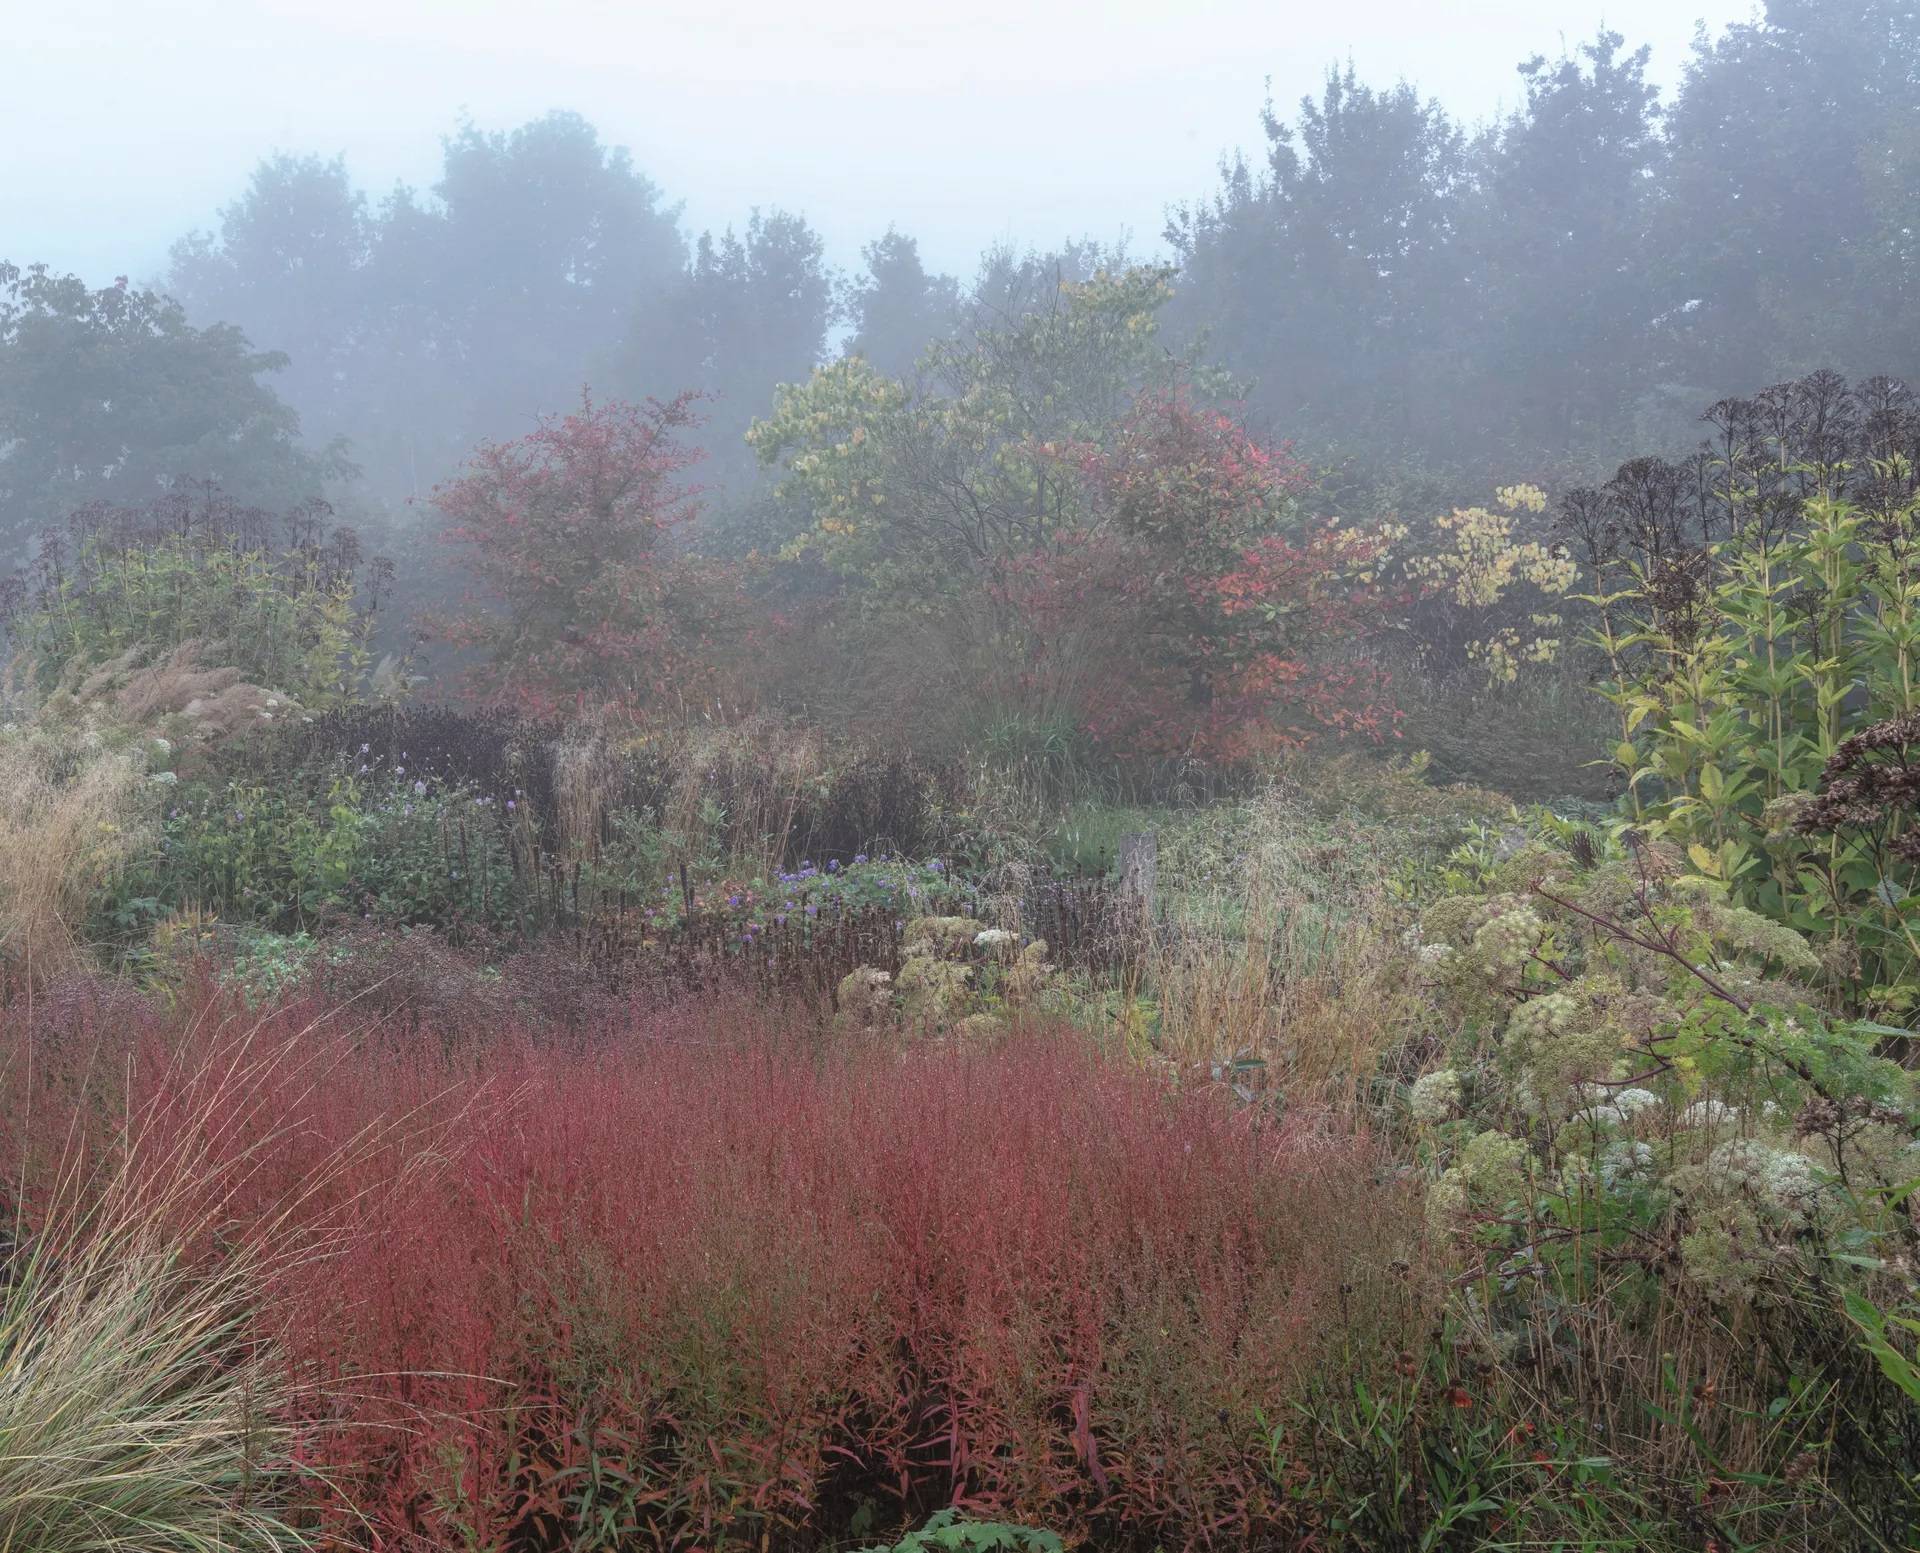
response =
{"points": [[210, 590], [922, 485], [112, 395], [1637, 1107], [1739, 670], [947, 1529]]}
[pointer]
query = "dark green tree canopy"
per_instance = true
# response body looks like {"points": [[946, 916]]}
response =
{"points": [[111, 395]]}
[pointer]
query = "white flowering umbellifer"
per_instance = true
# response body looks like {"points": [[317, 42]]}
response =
{"points": [[1506, 940], [993, 938], [1435, 954], [1490, 1172], [163, 747], [1435, 1096], [1784, 1181], [163, 778], [1633, 1100], [1625, 1162], [1709, 1113]]}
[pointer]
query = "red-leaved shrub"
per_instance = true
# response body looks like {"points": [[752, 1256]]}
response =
{"points": [[720, 1283]]}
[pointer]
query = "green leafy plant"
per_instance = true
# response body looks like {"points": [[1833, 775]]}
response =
{"points": [[947, 1530], [1758, 612], [193, 579]]}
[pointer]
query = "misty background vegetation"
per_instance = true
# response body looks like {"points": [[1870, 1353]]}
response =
{"points": [[1416, 303]]}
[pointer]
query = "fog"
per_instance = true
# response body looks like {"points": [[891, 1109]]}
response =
{"points": [[964, 124], [324, 251]]}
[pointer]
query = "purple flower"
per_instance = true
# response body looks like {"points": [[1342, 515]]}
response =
{"points": [[365, 749], [419, 789], [733, 900], [812, 910], [859, 857], [399, 770], [833, 865], [511, 805], [937, 866]]}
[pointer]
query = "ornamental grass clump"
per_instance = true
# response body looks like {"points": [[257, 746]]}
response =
{"points": [[1279, 948], [69, 820], [137, 1412], [145, 1403], [703, 1281]]}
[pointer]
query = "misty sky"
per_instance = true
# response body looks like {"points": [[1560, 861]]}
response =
{"points": [[963, 123]]}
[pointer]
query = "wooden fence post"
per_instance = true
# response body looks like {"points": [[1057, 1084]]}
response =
{"points": [[1139, 863]]}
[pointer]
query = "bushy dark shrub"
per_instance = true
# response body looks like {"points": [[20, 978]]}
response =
{"points": [[493, 752]]}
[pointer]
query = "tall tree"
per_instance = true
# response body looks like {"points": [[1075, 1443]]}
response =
{"points": [[546, 237], [1330, 277], [288, 267], [750, 311], [896, 308], [1556, 245], [1786, 227], [437, 320], [111, 395]]}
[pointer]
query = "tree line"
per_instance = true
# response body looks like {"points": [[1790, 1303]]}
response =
{"points": [[1415, 303]]}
